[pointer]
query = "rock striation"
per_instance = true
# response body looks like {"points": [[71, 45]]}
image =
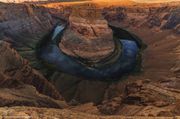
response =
{"points": [[14, 66], [88, 35]]}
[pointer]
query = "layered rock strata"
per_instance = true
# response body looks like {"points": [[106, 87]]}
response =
{"points": [[88, 35]]}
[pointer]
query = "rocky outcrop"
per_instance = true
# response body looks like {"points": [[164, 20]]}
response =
{"points": [[139, 93], [174, 20], [13, 65], [139, 97], [88, 35], [14, 91], [115, 14], [152, 16]]}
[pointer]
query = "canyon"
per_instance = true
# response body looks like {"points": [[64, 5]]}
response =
{"points": [[152, 91]]}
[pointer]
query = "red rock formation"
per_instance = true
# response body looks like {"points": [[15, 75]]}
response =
{"points": [[88, 35]]}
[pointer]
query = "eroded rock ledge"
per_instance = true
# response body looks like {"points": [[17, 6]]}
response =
{"points": [[43, 113]]}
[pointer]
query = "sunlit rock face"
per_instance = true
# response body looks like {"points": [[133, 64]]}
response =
{"points": [[88, 35]]}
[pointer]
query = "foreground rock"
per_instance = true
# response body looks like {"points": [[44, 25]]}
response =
{"points": [[15, 93], [43, 113]]}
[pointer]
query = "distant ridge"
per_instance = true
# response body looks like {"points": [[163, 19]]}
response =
{"points": [[114, 2], [155, 1]]}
